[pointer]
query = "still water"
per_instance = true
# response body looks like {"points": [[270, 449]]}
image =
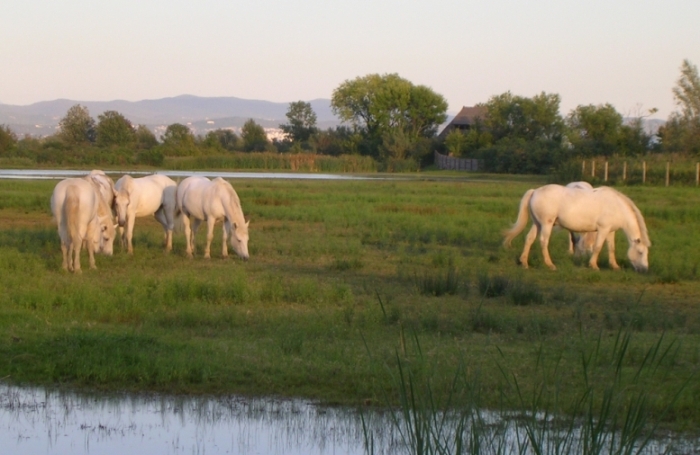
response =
{"points": [[62, 173], [39, 421]]}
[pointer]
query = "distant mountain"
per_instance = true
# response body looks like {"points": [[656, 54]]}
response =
{"points": [[200, 113]]}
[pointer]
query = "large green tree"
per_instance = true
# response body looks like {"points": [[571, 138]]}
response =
{"points": [[77, 127], [517, 117], [387, 108], [178, 140], [114, 129], [144, 138], [595, 130], [302, 122], [254, 137], [682, 130]]}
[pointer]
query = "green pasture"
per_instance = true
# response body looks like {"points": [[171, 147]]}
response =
{"points": [[349, 280]]}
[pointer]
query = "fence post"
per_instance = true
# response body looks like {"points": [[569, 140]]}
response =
{"points": [[697, 174], [592, 168], [583, 168], [668, 173], [606, 171], [624, 171], [644, 171]]}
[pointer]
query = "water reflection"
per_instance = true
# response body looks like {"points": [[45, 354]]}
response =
{"points": [[40, 174], [34, 420]]}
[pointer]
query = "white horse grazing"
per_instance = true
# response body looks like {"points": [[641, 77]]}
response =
{"points": [[82, 215], [603, 210], [585, 241], [144, 196], [106, 185], [200, 199]]}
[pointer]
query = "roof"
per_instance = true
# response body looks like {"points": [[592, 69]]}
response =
{"points": [[464, 118], [468, 114]]}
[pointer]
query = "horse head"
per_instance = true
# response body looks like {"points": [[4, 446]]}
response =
{"points": [[121, 205], [238, 237], [638, 254]]}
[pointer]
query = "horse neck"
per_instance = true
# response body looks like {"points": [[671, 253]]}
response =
{"points": [[631, 226], [232, 207]]}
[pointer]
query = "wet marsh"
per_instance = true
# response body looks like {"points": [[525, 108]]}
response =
{"points": [[342, 276]]}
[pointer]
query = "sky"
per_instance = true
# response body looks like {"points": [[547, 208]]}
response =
{"points": [[624, 52]]}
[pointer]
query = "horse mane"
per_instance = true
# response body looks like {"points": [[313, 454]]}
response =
{"points": [[638, 214], [233, 199]]}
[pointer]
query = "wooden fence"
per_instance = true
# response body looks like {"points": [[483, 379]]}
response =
{"points": [[684, 174], [455, 164]]}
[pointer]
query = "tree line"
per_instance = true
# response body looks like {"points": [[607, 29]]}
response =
{"points": [[393, 121]]}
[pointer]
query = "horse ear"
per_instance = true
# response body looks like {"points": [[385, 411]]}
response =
{"points": [[247, 223]]}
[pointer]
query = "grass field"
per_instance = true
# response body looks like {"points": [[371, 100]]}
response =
{"points": [[350, 280]]}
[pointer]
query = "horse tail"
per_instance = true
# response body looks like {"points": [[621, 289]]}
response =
{"points": [[71, 214], [523, 216]]}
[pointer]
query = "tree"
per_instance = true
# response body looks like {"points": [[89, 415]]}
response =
{"points": [[144, 137], [77, 127], [681, 133], [179, 140], [456, 142], [377, 105], [687, 91], [226, 138], [516, 117], [254, 137], [8, 139], [114, 129], [178, 135], [595, 130], [302, 122]]}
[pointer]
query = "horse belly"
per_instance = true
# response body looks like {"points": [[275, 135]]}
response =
{"points": [[578, 219], [149, 200]]}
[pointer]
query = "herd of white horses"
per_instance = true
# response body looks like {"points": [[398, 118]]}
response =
{"points": [[86, 208]]}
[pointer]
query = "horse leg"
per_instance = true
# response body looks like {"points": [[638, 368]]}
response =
{"points": [[572, 242], [610, 240], [529, 240], [211, 221], [599, 240], [130, 220], [167, 227], [188, 235], [76, 245], [122, 237], [545, 234], [91, 254], [226, 230], [195, 227], [65, 252]]}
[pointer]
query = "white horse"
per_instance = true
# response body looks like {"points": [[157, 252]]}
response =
{"points": [[200, 199], [603, 210], [144, 196], [585, 241], [82, 215], [105, 184]]}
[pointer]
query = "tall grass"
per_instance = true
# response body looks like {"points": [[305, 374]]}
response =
{"points": [[610, 414], [302, 162]]}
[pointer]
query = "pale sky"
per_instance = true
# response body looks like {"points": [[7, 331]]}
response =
{"points": [[624, 52]]}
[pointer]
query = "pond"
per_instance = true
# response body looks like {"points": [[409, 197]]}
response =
{"points": [[36, 420]]}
